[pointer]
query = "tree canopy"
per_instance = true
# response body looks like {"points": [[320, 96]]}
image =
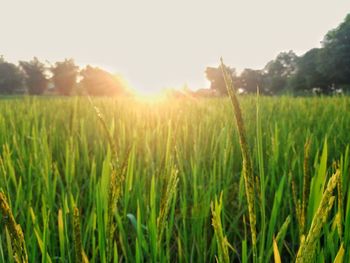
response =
{"points": [[34, 75], [11, 78], [215, 76], [335, 54], [98, 82], [324, 69], [64, 76]]}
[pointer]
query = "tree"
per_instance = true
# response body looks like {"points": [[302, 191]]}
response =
{"points": [[278, 72], [251, 79], [335, 55], [11, 78], [35, 78], [308, 75], [324, 69], [65, 75], [98, 82], [216, 78]]}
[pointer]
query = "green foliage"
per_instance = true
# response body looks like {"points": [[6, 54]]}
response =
{"points": [[221, 240], [308, 75], [217, 82], [97, 82], [247, 164], [251, 80], [64, 76], [11, 78], [277, 73], [336, 53], [322, 70], [35, 78], [55, 155]]}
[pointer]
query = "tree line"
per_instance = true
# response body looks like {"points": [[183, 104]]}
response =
{"points": [[323, 70], [62, 78]]}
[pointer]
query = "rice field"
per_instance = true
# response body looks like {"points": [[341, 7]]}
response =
{"points": [[121, 180]]}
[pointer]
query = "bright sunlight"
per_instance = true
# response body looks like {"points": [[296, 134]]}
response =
{"points": [[125, 138]]}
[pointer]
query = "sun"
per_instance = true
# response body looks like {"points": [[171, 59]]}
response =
{"points": [[158, 94], [149, 95]]}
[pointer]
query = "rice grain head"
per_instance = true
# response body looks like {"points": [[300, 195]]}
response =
{"points": [[80, 256], [306, 187], [247, 169], [15, 232], [168, 196], [306, 251], [221, 240]]}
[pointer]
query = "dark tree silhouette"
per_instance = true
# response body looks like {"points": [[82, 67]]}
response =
{"points": [[217, 82], [11, 78], [278, 72], [323, 69], [251, 79], [98, 82], [334, 59], [308, 75], [64, 76], [35, 79]]}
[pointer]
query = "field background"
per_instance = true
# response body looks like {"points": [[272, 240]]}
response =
{"points": [[55, 155]]}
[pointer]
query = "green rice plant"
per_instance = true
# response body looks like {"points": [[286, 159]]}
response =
{"points": [[106, 130], [318, 182], [306, 188], [41, 234], [301, 206], [247, 166], [15, 237], [283, 230], [113, 196], [339, 216], [80, 256], [167, 197], [306, 251], [61, 234], [279, 239], [221, 239], [340, 255], [275, 212], [297, 205], [55, 153], [115, 182], [276, 253]]}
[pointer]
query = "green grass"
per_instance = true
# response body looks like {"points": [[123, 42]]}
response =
{"points": [[172, 160]]}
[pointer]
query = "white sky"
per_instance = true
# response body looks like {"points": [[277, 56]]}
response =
{"points": [[160, 43]]}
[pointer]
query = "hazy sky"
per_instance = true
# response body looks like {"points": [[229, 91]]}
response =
{"points": [[157, 43]]}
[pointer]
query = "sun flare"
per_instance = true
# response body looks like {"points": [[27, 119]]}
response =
{"points": [[149, 95]]}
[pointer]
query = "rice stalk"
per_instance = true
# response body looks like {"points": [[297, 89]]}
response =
{"points": [[19, 251], [297, 205], [283, 230], [168, 196], [306, 251], [115, 184], [281, 234], [306, 188], [221, 240], [105, 128], [276, 253], [80, 256], [340, 207], [339, 258], [113, 196], [247, 166]]}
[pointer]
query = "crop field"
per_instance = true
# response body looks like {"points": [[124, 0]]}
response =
{"points": [[122, 180]]}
